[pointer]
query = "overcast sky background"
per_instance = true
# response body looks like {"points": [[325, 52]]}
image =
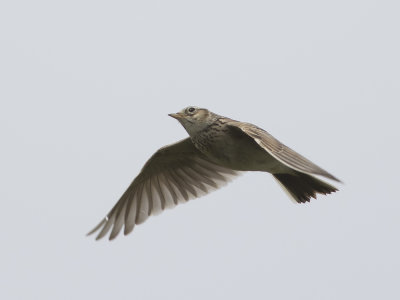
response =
{"points": [[85, 89]]}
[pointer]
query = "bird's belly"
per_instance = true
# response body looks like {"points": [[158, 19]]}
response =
{"points": [[243, 156]]}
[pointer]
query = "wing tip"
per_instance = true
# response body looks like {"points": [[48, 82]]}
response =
{"points": [[330, 176], [98, 226]]}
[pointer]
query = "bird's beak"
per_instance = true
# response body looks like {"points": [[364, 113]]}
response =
{"points": [[176, 116]]}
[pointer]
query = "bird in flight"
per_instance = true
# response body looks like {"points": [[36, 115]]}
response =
{"points": [[217, 150]]}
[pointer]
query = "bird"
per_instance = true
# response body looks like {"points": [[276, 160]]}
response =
{"points": [[217, 150]]}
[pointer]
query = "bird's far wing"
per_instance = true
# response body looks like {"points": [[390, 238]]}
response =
{"points": [[279, 151], [173, 175]]}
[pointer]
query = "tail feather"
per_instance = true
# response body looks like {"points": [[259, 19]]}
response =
{"points": [[302, 187]]}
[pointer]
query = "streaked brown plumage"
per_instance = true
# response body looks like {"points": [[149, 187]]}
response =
{"points": [[217, 150]]}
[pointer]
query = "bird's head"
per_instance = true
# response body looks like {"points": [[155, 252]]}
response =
{"points": [[194, 119]]}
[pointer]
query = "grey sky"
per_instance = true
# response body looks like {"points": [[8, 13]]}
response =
{"points": [[85, 89]]}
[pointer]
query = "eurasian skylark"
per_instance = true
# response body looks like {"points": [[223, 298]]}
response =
{"points": [[217, 150]]}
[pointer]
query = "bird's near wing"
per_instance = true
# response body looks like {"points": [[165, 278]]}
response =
{"points": [[279, 151], [173, 175]]}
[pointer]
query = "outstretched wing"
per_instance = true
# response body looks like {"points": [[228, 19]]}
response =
{"points": [[279, 151], [173, 175]]}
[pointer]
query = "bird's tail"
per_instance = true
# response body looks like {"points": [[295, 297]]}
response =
{"points": [[301, 187]]}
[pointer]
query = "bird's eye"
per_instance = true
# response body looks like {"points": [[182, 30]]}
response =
{"points": [[191, 109]]}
